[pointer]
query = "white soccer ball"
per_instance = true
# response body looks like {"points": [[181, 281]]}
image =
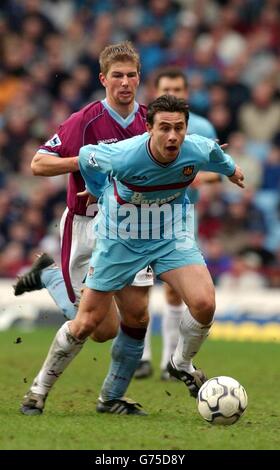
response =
{"points": [[222, 400]]}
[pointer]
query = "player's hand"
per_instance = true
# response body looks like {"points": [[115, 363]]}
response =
{"points": [[237, 177], [90, 200], [83, 193], [222, 146]]}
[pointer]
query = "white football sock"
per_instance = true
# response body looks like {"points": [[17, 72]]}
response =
{"points": [[191, 336], [62, 351], [170, 331], [147, 353]]}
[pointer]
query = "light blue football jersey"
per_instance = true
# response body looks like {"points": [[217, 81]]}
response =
{"points": [[136, 178], [196, 125], [201, 126]]}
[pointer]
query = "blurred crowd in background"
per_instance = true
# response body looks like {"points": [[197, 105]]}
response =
{"points": [[229, 51]]}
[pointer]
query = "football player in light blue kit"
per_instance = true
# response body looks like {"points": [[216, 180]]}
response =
{"points": [[138, 178], [154, 168], [173, 81]]}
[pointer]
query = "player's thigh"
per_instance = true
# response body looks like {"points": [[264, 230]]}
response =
{"points": [[171, 295], [194, 284], [133, 304], [81, 249], [77, 245]]}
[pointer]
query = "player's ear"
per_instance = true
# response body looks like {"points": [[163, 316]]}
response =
{"points": [[102, 79], [149, 127]]}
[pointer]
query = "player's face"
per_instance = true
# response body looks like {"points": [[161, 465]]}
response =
{"points": [[172, 86], [167, 135], [121, 83]]}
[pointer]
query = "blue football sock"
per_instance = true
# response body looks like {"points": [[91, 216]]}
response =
{"points": [[126, 354], [53, 280]]}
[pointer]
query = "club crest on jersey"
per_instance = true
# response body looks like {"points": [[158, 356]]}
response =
{"points": [[54, 141], [188, 170], [91, 159]]}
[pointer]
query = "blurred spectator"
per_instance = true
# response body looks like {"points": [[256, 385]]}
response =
{"points": [[271, 170], [230, 44], [250, 165], [255, 246], [12, 259], [180, 47], [162, 14], [260, 117], [220, 116], [241, 219], [237, 92], [205, 61], [243, 274], [218, 262], [149, 45]]}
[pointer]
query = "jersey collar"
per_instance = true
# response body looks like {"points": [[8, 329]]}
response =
{"points": [[124, 122], [163, 165]]}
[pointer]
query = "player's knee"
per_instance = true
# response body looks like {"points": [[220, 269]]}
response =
{"points": [[104, 335], [100, 338], [204, 307], [87, 325], [172, 298], [141, 317], [136, 318], [143, 321]]}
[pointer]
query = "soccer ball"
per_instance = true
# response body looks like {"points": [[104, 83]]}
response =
{"points": [[222, 400]]}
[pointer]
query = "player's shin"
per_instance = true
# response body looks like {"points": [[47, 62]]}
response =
{"points": [[62, 351], [147, 352], [53, 280], [170, 331], [191, 336], [126, 353]]}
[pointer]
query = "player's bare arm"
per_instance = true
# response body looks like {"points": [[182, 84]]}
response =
{"points": [[44, 164]]}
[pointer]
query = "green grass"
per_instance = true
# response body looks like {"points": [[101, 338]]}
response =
{"points": [[70, 420]]}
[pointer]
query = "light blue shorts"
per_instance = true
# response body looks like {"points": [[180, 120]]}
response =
{"points": [[113, 264]]}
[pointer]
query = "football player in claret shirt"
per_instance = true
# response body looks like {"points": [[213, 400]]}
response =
{"points": [[113, 119]]}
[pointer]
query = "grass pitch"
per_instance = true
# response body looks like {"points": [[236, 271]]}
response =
{"points": [[70, 420]]}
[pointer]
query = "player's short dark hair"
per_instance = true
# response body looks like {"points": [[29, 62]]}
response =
{"points": [[171, 72], [169, 104], [121, 52]]}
